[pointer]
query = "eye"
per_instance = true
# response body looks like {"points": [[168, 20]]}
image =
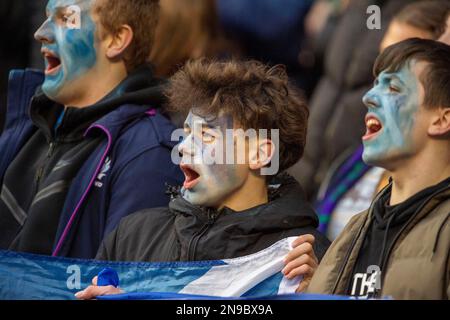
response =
{"points": [[208, 137], [394, 89]]}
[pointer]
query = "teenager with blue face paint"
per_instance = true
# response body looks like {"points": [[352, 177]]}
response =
{"points": [[399, 247], [90, 146], [354, 183], [227, 210]]}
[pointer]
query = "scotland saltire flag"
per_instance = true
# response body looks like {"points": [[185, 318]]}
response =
{"points": [[25, 276]]}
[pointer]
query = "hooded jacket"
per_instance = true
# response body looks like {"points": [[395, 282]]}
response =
{"points": [[416, 263], [127, 170], [184, 232]]}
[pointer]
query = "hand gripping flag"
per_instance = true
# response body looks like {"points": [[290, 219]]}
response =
{"points": [[26, 276]]}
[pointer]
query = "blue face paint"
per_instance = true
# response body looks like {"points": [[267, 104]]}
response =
{"points": [[68, 46], [207, 184], [393, 104]]}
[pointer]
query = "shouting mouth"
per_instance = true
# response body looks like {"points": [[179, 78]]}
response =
{"points": [[53, 62], [191, 176], [373, 127]]}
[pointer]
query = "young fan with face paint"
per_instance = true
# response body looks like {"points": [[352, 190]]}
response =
{"points": [[85, 144], [351, 183], [399, 247], [227, 209]]}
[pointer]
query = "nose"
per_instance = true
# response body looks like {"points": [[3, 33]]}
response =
{"points": [[371, 100], [44, 34], [186, 147]]}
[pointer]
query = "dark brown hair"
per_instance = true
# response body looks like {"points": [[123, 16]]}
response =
{"points": [[428, 15], [255, 95], [435, 78], [141, 16]]}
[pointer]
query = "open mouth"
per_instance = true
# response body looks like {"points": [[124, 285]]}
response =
{"points": [[373, 127], [53, 63], [191, 176]]}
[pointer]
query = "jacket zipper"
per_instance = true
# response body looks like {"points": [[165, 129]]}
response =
{"points": [[193, 243], [66, 230], [391, 247], [40, 171]]}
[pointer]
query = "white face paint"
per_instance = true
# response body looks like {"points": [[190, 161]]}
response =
{"points": [[208, 184]]}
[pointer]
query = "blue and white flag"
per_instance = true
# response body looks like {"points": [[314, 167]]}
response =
{"points": [[25, 276]]}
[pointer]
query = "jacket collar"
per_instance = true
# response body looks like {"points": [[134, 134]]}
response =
{"points": [[136, 94], [287, 208]]}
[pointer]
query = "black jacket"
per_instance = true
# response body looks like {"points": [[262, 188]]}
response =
{"points": [[184, 232]]}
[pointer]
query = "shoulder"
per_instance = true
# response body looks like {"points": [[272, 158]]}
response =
{"points": [[144, 219], [146, 136], [149, 131], [340, 245]]}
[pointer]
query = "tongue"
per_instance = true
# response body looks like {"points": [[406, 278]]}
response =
{"points": [[375, 128], [53, 62], [191, 175]]}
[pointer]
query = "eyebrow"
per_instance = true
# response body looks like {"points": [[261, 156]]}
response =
{"points": [[210, 125], [394, 77]]}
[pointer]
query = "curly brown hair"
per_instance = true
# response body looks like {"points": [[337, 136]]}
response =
{"points": [[255, 95], [141, 15]]}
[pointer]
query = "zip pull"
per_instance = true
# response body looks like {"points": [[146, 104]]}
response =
{"points": [[39, 174], [50, 149], [211, 216]]}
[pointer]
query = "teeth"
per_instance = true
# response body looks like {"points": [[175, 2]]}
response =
{"points": [[373, 122]]}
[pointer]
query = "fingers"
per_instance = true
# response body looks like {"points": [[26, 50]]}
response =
{"points": [[304, 248], [305, 259], [305, 270], [304, 266], [302, 239], [92, 292], [94, 281]]}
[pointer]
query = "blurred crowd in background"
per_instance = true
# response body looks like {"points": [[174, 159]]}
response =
{"points": [[326, 47]]}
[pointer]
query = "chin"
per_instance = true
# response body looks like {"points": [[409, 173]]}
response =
{"points": [[57, 96], [373, 161], [54, 93]]}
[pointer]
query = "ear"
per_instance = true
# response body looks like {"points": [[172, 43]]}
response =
{"points": [[440, 124], [262, 155], [119, 42]]}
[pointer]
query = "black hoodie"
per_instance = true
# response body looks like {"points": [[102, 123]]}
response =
{"points": [[184, 232], [387, 222]]}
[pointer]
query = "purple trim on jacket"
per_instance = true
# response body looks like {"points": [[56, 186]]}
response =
{"points": [[138, 144], [101, 163]]}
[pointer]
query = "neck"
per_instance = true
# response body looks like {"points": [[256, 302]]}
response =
{"points": [[425, 170], [251, 194], [101, 83]]}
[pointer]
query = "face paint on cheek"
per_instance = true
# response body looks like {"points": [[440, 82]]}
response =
{"points": [[397, 113], [74, 47], [216, 180]]}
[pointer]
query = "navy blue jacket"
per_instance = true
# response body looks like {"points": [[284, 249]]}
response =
{"points": [[126, 173]]}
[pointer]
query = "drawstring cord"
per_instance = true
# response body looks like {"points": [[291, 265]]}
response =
{"points": [[383, 248]]}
